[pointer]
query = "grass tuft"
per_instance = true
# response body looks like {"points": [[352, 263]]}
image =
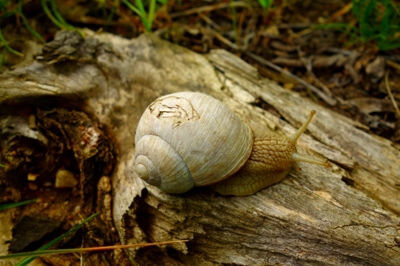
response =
{"points": [[147, 18], [378, 21], [265, 4]]}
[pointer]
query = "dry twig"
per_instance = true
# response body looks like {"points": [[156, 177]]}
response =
{"points": [[391, 95], [329, 100], [308, 65], [209, 8]]}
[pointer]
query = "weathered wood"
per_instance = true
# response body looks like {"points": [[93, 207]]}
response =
{"points": [[345, 215]]}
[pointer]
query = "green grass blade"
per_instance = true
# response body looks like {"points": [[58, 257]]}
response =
{"points": [[59, 17], [27, 26], [50, 15], [152, 10], [132, 7], [32, 31], [364, 21], [112, 12], [388, 20], [56, 13], [26, 261], [265, 4], [138, 10], [3, 41], [16, 204], [140, 6], [61, 24]]}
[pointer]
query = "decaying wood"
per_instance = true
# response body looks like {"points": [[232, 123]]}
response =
{"points": [[344, 215]]}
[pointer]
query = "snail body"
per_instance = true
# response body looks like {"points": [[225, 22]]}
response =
{"points": [[189, 139]]}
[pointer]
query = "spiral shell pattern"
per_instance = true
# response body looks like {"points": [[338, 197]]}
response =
{"points": [[189, 139]]}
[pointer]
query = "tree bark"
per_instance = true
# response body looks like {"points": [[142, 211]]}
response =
{"points": [[344, 215]]}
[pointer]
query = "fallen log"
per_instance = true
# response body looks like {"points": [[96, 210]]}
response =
{"points": [[344, 215]]}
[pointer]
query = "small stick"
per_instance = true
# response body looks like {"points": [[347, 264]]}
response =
{"points": [[326, 98], [209, 8], [323, 96], [308, 65], [391, 95]]}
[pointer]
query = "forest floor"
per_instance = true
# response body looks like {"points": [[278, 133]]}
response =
{"points": [[293, 43]]}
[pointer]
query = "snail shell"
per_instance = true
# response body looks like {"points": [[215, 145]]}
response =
{"points": [[189, 139]]}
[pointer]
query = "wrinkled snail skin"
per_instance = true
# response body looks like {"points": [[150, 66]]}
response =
{"points": [[190, 139], [270, 161]]}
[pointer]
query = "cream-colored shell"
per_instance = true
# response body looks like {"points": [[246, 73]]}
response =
{"points": [[206, 142]]}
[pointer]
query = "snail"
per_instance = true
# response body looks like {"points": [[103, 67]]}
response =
{"points": [[189, 139]]}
